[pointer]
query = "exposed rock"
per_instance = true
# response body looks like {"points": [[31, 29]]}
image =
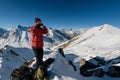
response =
{"points": [[29, 62], [99, 72], [27, 73], [99, 60], [14, 53], [1, 51], [61, 52], [82, 62], [85, 66], [19, 73], [114, 71], [95, 67]]}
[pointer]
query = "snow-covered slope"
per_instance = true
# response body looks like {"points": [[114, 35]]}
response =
{"points": [[15, 46], [100, 41], [11, 58]]}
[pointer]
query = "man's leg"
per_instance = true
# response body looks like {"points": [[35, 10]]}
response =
{"points": [[39, 56]]}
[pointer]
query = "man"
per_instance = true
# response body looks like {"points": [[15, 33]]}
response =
{"points": [[37, 31]]}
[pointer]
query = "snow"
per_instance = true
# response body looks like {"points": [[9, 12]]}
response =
{"points": [[100, 41], [95, 42]]}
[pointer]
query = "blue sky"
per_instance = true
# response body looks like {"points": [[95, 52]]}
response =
{"points": [[60, 13]]}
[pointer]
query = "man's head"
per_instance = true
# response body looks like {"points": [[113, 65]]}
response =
{"points": [[37, 19], [38, 22]]}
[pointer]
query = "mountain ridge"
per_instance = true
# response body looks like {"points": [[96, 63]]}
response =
{"points": [[88, 43], [19, 34]]}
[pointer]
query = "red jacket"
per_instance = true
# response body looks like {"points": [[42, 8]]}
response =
{"points": [[37, 36]]}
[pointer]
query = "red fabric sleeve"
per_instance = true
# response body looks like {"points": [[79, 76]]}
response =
{"points": [[44, 30]]}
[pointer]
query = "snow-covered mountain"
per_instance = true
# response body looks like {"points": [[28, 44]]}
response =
{"points": [[100, 41], [20, 36], [18, 39]]}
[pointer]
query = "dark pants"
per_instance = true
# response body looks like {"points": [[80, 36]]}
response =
{"points": [[39, 55]]}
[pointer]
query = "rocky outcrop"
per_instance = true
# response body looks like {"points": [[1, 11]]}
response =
{"points": [[29, 73], [95, 67], [21, 72], [114, 71]]}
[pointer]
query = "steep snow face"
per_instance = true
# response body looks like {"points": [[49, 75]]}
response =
{"points": [[17, 36], [62, 70], [11, 58], [98, 41]]}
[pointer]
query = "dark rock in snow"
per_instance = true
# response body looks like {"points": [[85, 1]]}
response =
{"points": [[18, 73], [85, 66], [114, 71], [99, 72], [95, 67]]}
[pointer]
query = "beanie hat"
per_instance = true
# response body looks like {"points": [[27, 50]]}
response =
{"points": [[37, 19]]}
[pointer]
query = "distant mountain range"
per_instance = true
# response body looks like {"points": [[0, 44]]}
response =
{"points": [[20, 36], [103, 41]]}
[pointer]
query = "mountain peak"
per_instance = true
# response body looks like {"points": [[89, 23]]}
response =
{"points": [[18, 27], [107, 26]]}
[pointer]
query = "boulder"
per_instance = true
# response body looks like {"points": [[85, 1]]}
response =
{"points": [[19, 73], [99, 72], [85, 66], [114, 71]]}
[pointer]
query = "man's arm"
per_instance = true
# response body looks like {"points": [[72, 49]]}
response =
{"points": [[44, 29], [32, 30]]}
